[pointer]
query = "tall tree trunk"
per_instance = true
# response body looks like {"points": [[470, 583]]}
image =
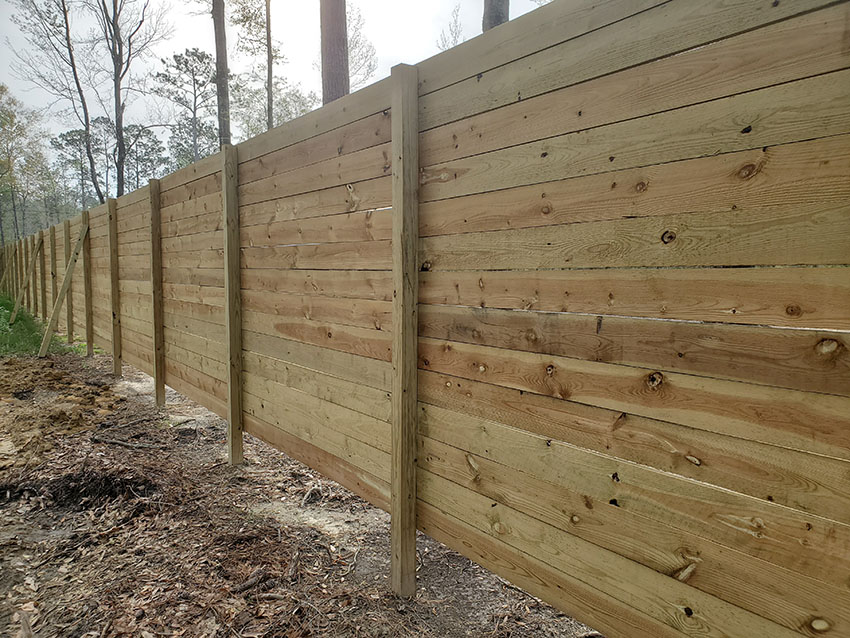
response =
{"points": [[335, 81], [221, 72], [495, 13], [117, 75], [269, 69], [2, 231], [83, 102], [15, 225]]}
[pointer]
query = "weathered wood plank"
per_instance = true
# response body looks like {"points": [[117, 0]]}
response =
{"points": [[800, 297], [782, 52], [363, 255], [345, 284], [364, 313], [805, 421], [156, 305], [817, 361], [343, 227]]}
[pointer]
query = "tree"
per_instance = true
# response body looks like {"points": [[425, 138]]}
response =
{"points": [[454, 36], [253, 17], [188, 80], [222, 72], [181, 142], [249, 98], [70, 149], [495, 13], [335, 76], [127, 29], [362, 58], [145, 155], [51, 62]]}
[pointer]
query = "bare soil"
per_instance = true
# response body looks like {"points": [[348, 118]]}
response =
{"points": [[118, 519]]}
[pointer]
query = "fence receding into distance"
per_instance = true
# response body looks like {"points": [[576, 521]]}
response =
{"points": [[630, 279]]}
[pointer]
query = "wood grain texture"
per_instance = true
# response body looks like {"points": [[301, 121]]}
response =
{"points": [[156, 293], [798, 297], [115, 295], [805, 421], [817, 361]]}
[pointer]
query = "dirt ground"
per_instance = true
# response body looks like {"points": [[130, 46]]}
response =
{"points": [[117, 519]]}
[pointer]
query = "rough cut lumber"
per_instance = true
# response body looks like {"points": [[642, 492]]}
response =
{"points": [[666, 29], [817, 361], [158, 363], [796, 173], [734, 123], [344, 284], [233, 303], [42, 272], [782, 52], [342, 227], [360, 255], [69, 302], [812, 483], [63, 290], [363, 313], [774, 236], [802, 297], [816, 423], [405, 225], [115, 294], [794, 540], [25, 286], [53, 283]]}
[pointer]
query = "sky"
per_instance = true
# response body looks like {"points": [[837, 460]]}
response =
{"points": [[401, 31]]}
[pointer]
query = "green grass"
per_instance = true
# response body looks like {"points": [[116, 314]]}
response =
{"points": [[24, 336]]}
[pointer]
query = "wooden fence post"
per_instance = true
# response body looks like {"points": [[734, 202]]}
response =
{"points": [[34, 279], [405, 237], [232, 300], [53, 290], [66, 285], [42, 276], [26, 284], [87, 289], [115, 294], [156, 293], [26, 287], [69, 299]]}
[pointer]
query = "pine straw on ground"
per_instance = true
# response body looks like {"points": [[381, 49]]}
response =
{"points": [[131, 523]]}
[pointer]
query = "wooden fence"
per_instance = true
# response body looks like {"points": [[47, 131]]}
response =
{"points": [[630, 278]]}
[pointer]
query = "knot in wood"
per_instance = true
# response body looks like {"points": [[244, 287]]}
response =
{"points": [[654, 380], [747, 171], [546, 209], [668, 236], [640, 187], [827, 346], [793, 310], [819, 625], [550, 370], [574, 519], [426, 266]]}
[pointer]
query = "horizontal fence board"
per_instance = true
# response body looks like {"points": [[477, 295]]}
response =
{"points": [[812, 483], [750, 180], [314, 428], [361, 398], [185, 195], [354, 167], [193, 276], [349, 312], [365, 342], [362, 255], [782, 52], [371, 372], [816, 361], [735, 123], [366, 195], [358, 135], [799, 297], [346, 284], [776, 236], [806, 421], [666, 29], [789, 538], [193, 336], [343, 227]]}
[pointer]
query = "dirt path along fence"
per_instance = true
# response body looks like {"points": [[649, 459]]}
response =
{"points": [[611, 365]]}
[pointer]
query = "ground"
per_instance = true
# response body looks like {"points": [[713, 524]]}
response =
{"points": [[117, 519]]}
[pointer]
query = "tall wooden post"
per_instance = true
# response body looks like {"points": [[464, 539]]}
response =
{"points": [[405, 189], [53, 289], [34, 278], [87, 287], [26, 284], [156, 294], [42, 277], [114, 295], [69, 299], [232, 300]]}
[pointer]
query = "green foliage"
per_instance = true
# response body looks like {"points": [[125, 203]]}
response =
{"points": [[248, 103], [24, 336]]}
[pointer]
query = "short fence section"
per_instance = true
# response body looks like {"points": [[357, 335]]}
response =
{"points": [[633, 306]]}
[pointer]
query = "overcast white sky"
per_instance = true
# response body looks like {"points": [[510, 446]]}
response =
{"points": [[401, 31]]}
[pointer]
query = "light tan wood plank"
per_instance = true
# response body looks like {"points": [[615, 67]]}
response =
{"points": [[349, 312], [346, 284]]}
